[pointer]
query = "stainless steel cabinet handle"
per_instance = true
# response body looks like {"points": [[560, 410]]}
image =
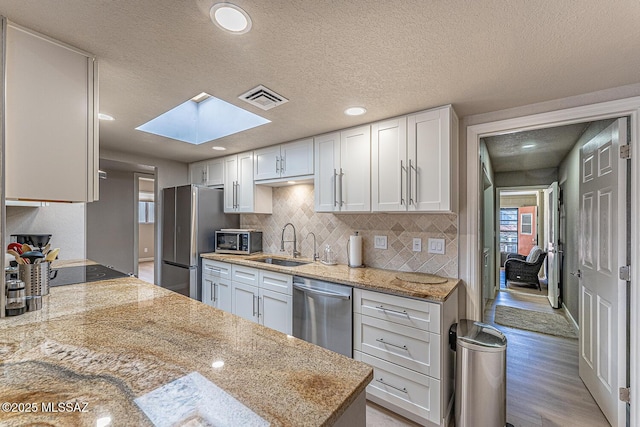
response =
{"points": [[319, 292], [403, 389], [213, 292], [255, 312], [415, 168], [208, 267], [260, 306], [403, 312], [341, 187], [203, 176], [380, 340], [283, 164], [402, 168], [235, 194], [277, 164], [335, 191], [409, 183]]}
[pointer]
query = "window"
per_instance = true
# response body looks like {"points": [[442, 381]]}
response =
{"points": [[525, 223], [146, 212], [509, 230]]}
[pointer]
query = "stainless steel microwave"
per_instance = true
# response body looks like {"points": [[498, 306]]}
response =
{"points": [[235, 241]]}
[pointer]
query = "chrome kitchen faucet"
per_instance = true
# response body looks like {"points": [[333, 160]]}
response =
{"points": [[282, 241]]}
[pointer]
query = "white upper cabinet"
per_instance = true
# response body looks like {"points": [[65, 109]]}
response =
{"points": [[51, 119], [208, 172], [343, 171], [284, 160], [241, 195], [414, 163]]}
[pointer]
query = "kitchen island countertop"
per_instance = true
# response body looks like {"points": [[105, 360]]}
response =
{"points": [[375, 279], [99, 346]]}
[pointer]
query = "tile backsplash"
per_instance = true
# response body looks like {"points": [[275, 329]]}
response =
{"points": [[295, 204]]}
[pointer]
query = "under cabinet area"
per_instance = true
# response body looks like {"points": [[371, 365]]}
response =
{"points": [[414, 162], [51, 96], [405, 341], [284, 160]]}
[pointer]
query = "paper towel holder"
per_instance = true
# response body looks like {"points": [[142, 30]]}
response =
{"points": [[348, 253]]}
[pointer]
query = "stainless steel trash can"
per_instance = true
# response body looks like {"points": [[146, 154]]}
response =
{"points": [[481, 364]]}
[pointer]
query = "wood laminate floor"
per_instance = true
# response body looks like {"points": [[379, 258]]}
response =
{"points": [[145, 271], [543, 386]]}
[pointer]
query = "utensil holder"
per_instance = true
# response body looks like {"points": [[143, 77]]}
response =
{"points": [[35, 278]]}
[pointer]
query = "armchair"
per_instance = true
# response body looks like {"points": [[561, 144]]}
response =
{"points": [[521, 269]]}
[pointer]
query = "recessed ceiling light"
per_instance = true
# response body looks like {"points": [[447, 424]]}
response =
{"points": [[529, 146], [201, 97], [218, 148], [230, 17], [355, 111], [103, 116]]}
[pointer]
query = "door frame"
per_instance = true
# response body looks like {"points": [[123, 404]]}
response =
{"points": [[471, 242]]}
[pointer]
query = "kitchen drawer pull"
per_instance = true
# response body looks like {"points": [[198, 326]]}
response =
{"points": [[402, 168], [341, 188], [277, 164], [403, 312], [403, 347], [409, 183], [208, 267], [403, 389], [214, 287], [254, 305]]}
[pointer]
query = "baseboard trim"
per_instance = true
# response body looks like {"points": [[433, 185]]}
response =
{"points": [[566, 310], [145, 259]]}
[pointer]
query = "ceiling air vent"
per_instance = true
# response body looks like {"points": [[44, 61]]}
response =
{"points": [[263, 98]]}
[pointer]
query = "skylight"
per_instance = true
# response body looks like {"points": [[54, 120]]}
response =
{"points": [[202, 119]]}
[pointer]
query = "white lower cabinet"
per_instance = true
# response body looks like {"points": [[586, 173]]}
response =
{"points": [[405, 340], [261, 296], [216, 284]]}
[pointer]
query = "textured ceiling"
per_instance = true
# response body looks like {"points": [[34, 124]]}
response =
{"points": [[549, 147], [392, 57]]}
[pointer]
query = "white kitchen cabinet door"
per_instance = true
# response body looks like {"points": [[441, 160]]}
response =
{"points": [[354, 177], [230, 183], [51, 126], [214, 172], [207, 290], [327, 164], [222, 296], [245, 301], [197, 173], [276, 311], [389, 167], [245, 195], [296, 158], [267, 163], [433, 152]]}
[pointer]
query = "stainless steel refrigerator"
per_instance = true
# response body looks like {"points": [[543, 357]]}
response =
{"points": [[190, 217]]}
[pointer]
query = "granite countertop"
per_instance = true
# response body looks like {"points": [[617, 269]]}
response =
{"points": [[376, 279], [113, 347]]}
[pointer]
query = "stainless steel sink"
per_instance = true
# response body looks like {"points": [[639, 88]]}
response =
{"points": [[282, 262]]}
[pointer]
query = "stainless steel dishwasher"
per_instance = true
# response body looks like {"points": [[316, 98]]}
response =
{"points": [[323, 314]]}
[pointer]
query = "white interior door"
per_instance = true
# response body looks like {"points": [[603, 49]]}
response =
{"points": [[551, 228], [602, 342]]}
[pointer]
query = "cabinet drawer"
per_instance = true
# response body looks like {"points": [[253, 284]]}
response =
{"points": [[244, 274], [277, 282], [403, 388], [216, 269], [408, 347], [405, 311]]}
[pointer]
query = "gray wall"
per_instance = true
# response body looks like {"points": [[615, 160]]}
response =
{"points": [[526, 178], [167, 173], [65, 221], [569, 180], [110, 222]]}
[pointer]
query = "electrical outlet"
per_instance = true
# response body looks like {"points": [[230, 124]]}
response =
{"points": [[417, 244], [436, 246], [146, 250], [380, 242]]}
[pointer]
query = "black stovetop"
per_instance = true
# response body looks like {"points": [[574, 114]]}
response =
{"points": [[88, 273]]}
